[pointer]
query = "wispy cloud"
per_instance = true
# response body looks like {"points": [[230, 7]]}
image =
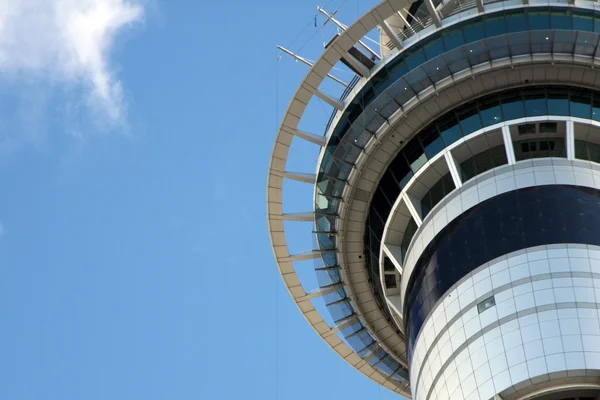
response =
{"points": [[67, 41]]}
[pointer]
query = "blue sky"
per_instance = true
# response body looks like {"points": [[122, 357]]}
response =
{"points": [[134, 255]]}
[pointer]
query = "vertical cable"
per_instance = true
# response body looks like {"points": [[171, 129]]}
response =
{"points": [[278, 57]]}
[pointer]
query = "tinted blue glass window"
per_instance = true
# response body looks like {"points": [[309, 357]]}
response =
{"points": [[516, 21], [474, 32], [512, 107], [535, 107], [558, 101], [596, 108], [538, 20], [560, 19], [469, 120], [397, 68], [453, 38], [414, 59], [491, 112], [434, 49], [581, 104], [583, 21], [596, 24], [449, 129], [495, 26], [431, 141]]}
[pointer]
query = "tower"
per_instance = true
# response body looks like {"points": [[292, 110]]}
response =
{"points": [[456, 199]]}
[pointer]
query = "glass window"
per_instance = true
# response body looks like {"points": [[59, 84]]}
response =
{"points": [[583, 21], [519, 44], [437, 192], [558, 101], [585, 43], [596, 108], [548, 127], [456, 60], [581, 104], [485, 304], [474, 32], [449, 129], [482, 162], [581, 150], [541, 148], [397, 68], [434, 49], [516, 21], [512, 106], [563, 42], [538, 20], [535, 103], [410, 231], [414, 154], [498, 47], [490, 111], [452, 39], [541, 41], [494, 26], [560, 19], [431, 141], [390, 281], [526, 129], [469, 119], [415, 59]]}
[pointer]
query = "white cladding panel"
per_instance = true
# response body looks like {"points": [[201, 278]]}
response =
{"points": [[545, 325]]}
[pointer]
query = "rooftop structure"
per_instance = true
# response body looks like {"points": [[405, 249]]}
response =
{"points": [[456, 198]]}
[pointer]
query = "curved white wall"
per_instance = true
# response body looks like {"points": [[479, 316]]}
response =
{"points": [[536, 172], [545, 325]]}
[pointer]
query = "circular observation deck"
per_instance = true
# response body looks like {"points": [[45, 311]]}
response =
{"points": [[387, 147]]}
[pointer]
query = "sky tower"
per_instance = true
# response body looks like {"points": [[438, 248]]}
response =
{"points": [[456, 198]]}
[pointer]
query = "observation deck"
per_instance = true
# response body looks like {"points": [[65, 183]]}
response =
{"points": [[460, 99]]}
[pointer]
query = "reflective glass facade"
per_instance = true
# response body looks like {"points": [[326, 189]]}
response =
{"points": [[460, 122], [503, 34], [509, 222]]}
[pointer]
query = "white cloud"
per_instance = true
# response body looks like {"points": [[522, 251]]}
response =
{"points": [[67, 41]]}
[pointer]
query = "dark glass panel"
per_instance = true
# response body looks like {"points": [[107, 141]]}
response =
{"points": [[560, 19], [453, 38], [434, 49], [474, 32], [539, 148], [415, 58], [516, 21], [512, 106], [558, 101], [469, 119], [535, 102], [482, 162], [583, 21], [449, 129], [437, 192], [491, 112], [519, 44], [581, 104], [410, 231], [494, 25], [431, 141], [503, 224], [538, 20]]}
